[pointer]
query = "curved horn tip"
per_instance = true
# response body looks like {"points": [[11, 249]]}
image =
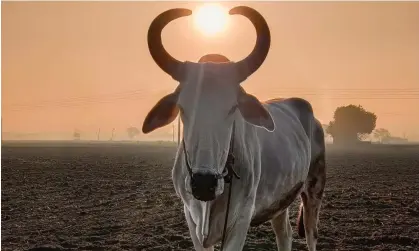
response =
{"points": [[185, 12], [176, 13], [239, 10]]}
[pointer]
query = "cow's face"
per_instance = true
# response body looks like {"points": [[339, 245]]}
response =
{"points": [[208, 98]]}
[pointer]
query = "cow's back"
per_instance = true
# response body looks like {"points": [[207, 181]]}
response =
{"points": [[303, 111]]}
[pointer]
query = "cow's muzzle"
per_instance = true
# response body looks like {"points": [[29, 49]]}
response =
{"points": [[204, 185]]}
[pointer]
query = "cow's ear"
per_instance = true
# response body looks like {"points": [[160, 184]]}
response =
{"points": [[163, 113], [254, 113]]}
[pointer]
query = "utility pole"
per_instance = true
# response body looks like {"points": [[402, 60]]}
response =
{"points": [[173, 132], [178, 130], [113, 130], [98, 135]]}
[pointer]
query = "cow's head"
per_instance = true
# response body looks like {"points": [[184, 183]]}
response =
{"points": [[208, 97]]}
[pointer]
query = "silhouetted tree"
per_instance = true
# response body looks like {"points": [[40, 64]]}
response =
{"points": [[76, 134], [381, 134], [324, 126], [351, 123], [132, 132]]}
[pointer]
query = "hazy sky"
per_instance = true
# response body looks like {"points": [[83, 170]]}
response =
{"points": [[69, 65]]}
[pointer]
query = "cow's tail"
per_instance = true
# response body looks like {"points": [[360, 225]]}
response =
{"points": [[300, 222]]}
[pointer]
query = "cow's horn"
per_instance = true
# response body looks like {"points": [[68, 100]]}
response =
{"points": [[255, 59], [163, 59]]}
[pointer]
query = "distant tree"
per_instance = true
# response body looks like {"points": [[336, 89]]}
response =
{"points": [[363, 136], [327, 136], [324, 126], [351, 124], [381, 134], [132, 132], [76, 134]]}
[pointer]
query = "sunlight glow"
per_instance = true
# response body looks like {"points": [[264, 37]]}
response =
{"points": [[211, 18]]}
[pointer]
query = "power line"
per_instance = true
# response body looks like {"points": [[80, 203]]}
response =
{"points": [[72, 100], [140, 91], [351, 89], [26, 108], [299, 91], [330, 93], [84, 103]]}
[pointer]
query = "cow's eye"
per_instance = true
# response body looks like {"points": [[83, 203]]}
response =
{"points": [[232, 110]]}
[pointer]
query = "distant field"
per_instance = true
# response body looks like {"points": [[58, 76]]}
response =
{"points": [[119, 196]]}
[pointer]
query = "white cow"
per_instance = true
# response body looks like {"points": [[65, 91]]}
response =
{"points": [[278, 145]]}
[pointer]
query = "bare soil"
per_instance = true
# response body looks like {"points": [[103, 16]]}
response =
{"points": [[79, 196]]}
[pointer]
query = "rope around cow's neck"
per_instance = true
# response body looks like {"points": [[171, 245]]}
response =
{"points": [[230, 174]]}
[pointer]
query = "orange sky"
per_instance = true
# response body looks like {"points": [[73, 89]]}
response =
{"points": [[69, 65]]}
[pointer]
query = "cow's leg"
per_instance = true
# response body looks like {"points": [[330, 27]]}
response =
{"points": [[312, 199], [192, 231], [283, 231]]}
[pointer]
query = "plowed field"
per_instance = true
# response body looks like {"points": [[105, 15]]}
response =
{"points": [[76, 196]]}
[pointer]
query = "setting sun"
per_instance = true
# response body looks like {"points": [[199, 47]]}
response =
{"points": [[211, 19]]}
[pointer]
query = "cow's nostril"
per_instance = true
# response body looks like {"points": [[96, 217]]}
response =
{"points": [[203, 186]]}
